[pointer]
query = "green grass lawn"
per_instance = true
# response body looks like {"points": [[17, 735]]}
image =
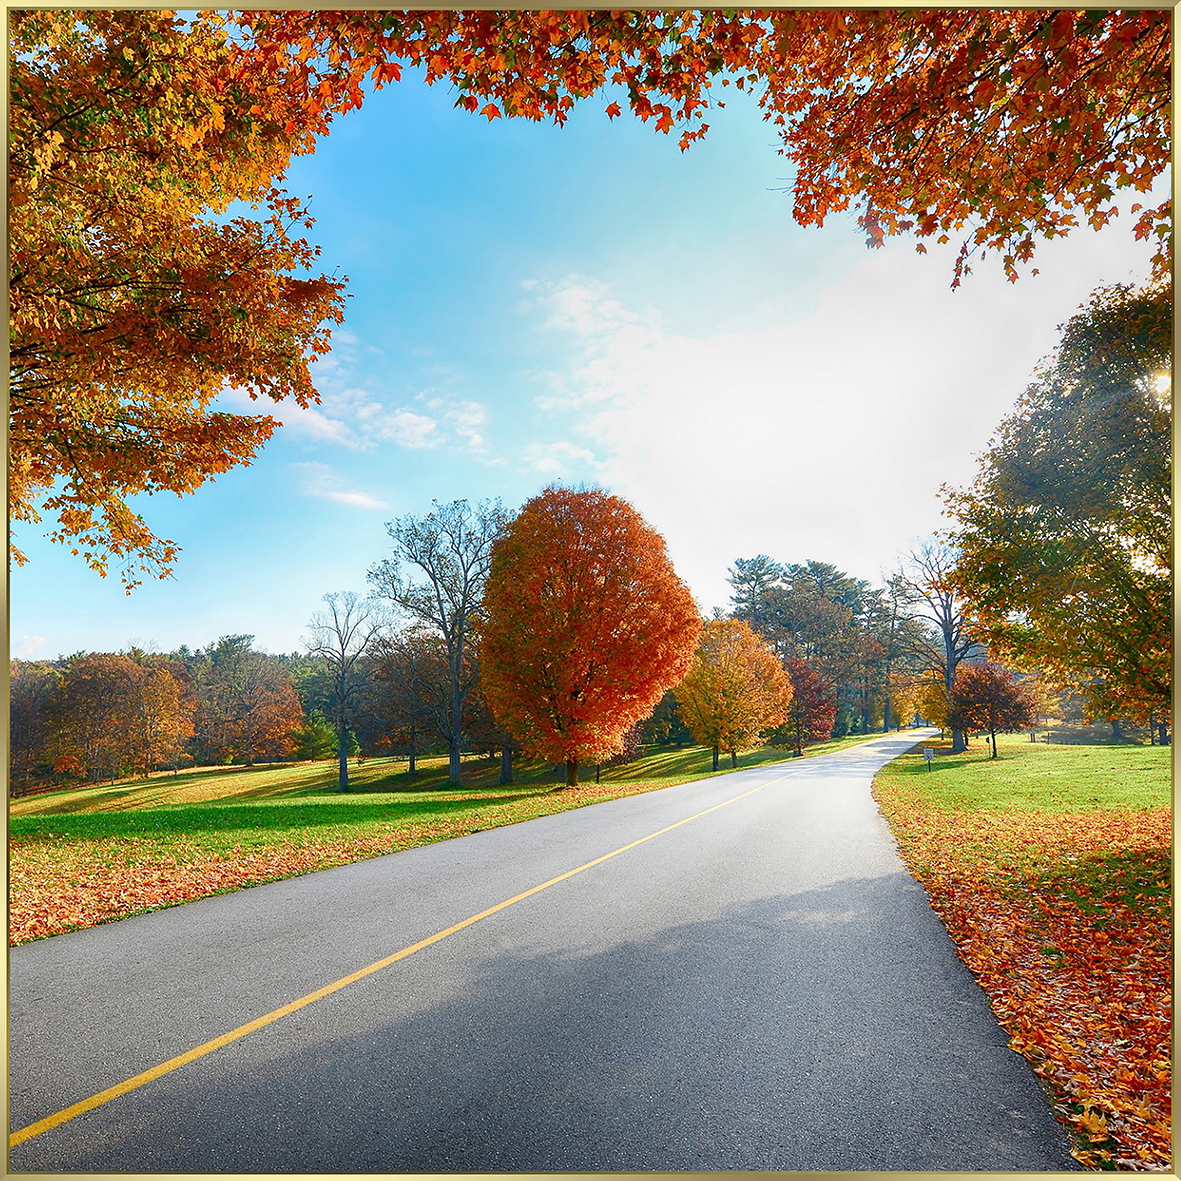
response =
{"points": [[1039, 776], [89, 855]]}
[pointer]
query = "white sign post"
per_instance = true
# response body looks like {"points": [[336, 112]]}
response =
{"points": [[929, 755]]}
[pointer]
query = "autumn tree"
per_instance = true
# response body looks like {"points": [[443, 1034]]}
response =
{"points": [[734, 689], [436, 577], [811, 710], [991, 700], [342, 636], [160, 707], [586, 625], [247, 707], [32, 686], [408, 703], [1065, 537], [132, 132], [948, 639], [134, 297], [998, 127]]}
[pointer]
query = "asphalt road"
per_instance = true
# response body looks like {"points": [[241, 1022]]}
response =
{"points": [[763, 987]]}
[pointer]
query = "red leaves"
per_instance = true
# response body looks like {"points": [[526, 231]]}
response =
{"points": [[1076, 960], [586, 624]]}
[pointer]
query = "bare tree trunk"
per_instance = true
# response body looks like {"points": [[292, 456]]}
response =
{"points": [[342, 751], [506, 763], [571, 772], [733, 758], [717, 751], [455, 738]]}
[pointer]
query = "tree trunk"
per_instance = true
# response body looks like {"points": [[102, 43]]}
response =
{"points": [[506, 763], [342, 753], [413, 770], [733, 758], [455, 738], [959, 742], [992, 735], [571, 772], [716, 752], [1164, 733]]}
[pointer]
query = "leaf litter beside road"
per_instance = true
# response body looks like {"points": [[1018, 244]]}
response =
{"points": [[1065, 919]]}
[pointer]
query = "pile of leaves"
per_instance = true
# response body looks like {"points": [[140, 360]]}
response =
{"points": [[1065, 920]]}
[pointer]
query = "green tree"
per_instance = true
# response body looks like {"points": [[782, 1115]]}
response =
{"points": [[1065, 537], [314, 739]]}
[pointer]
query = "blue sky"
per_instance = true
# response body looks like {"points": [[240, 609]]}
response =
{"points": [[533, 304]]}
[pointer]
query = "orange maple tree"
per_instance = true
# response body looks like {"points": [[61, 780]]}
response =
{"points": [[735, 688], [586, 624], [998, 126], [135, 298]]}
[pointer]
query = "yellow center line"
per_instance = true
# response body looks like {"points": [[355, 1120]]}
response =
{"points": [[84, 1105]]}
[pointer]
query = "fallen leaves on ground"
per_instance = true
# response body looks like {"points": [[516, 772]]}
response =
{"points": [[1065, 919]]}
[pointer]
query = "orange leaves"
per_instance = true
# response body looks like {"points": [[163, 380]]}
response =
{"points": [[586, 625], [1065, 921], [734, 689], [120, 281]]}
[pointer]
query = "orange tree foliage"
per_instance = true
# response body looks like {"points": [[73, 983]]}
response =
{"points": [[113, 715], [586, 624], [1065, 538], [989, 699], [1000, 127], [1065, 919], [247, 707], [133, 302], [734, 690], [131, 306]]}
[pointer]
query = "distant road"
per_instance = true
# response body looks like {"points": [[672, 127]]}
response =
{"points": [[760, 986]]}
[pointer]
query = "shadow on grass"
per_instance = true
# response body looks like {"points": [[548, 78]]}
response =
{"points": [[179, 819]]}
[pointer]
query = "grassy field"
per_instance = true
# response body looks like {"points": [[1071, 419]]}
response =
{"points": [[90, 855], [1051, 868]]}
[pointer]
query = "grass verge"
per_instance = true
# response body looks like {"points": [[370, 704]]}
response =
{"points": [[92, 855], [1050, 867]]}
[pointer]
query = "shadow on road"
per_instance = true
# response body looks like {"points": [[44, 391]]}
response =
{"points": [[828, 1030]]}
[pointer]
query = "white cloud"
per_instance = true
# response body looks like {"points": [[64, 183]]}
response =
{"points": [[28, 647], [401, 426], [321, 481], [556, 458], [826, 436]]}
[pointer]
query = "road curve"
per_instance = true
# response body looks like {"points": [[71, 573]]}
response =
{"points": [[740, 975]]}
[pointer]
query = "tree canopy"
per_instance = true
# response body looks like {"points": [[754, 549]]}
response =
{"points": [[1065, 537], [136, 298], [1000, 127], [734, 689], [586, 624]]}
